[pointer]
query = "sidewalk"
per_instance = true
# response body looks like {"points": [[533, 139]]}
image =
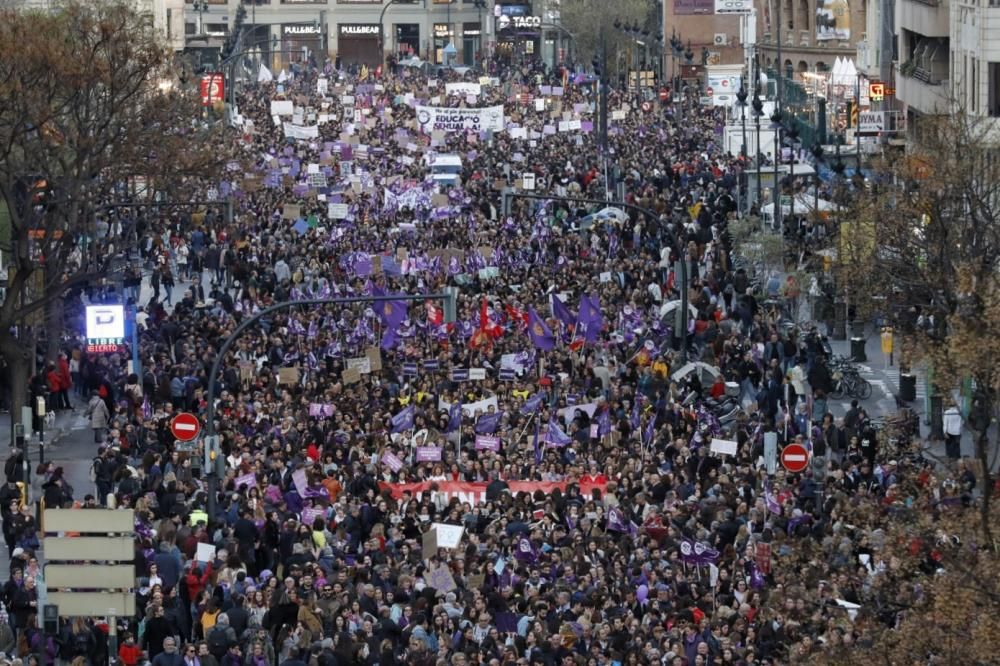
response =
{"points": [[72, 448], [885, 381]]}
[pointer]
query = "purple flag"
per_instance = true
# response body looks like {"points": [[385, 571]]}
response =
{"points": [[561, 312], [362, 265], [403, 420], [488, 423], [392, 313], [538, 448], [590, 320], [616, 520], [556, 436], [604, 422], [539, 332], [526, 551], [454, 417], [650, 429], [697, 553], [771, 501], [532, 404]]}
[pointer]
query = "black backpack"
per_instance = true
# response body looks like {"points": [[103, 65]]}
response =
{"points": [[218, 641]]}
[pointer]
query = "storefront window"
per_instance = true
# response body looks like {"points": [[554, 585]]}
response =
{"points": [[407, 41], [443, 35], [471, 43]]}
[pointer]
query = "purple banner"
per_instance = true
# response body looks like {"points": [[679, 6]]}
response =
{"points": [[487, 443]]}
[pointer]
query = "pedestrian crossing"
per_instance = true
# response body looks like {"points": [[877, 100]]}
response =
{"points": [[893, 375]]}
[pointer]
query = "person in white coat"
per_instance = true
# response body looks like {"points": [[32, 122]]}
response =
{"points": [[953, 432]]}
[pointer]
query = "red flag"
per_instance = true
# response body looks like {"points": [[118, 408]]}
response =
{"points": [[435, 315], [516, 315]]}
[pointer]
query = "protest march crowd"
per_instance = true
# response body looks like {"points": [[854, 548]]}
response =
{"points": [[547, 479]]}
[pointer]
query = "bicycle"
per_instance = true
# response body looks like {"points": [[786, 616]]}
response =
{"points": [[851, 384]]}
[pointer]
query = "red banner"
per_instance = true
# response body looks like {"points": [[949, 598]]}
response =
{"points": [[474, 493], [213, 88]]}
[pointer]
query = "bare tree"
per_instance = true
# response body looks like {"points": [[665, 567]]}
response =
{"points": [[89, 105]]}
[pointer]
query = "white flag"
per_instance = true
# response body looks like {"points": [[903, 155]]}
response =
{"points": [[282, 77], [264, 75]]}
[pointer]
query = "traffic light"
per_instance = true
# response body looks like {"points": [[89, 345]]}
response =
{"points": [[450, 305]]}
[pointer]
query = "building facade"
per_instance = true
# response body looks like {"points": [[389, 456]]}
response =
{"points": [[813, 33], [350, 32], [948, 59], [695, 24]]}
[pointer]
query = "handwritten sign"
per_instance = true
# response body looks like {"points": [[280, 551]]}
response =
{"points": [[448, 536], [205, 553], [442, 580], [362, 364], [249, 480], [310, 514], [428, 454], [727, 446], [392, 461]]}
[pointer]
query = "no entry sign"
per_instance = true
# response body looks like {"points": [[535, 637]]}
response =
{"points": [[794, 457], [185, 427]]}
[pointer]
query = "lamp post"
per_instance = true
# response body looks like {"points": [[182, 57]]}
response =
{"points": [[758, 111], [792, 136], [817, 152], [776, 197], [741, 99], [200, 7]]}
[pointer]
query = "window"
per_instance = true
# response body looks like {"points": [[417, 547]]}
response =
{"points": [[190, 28], [993, 94], [216, 28]]}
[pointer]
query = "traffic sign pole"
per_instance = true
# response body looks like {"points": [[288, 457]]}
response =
{"points": [[794, 458], [185, 427]]}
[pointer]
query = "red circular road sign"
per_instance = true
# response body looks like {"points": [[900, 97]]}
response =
{"points": [[185, 427], [647, 107], [794, 457], [709, 92]]}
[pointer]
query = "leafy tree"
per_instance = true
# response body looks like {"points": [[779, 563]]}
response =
{"points": [[89, 105], [923, 242]]}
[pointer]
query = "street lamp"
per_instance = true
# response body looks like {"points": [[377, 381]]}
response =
{"points": [[758, 111], [776, 196], [792, 137], [817, 151], [200, 7], [741, 99]]}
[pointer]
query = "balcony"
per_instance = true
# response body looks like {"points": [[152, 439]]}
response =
{"points": [[923, 92], [926, 17]]}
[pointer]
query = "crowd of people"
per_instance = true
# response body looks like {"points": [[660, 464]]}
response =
{"points": [[544, 478]]}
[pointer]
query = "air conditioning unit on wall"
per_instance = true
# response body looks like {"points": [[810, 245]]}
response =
{"points": [[721, 39]]}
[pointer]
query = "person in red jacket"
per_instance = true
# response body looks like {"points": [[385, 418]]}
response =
{"points": [[129, 652], [65, 382], [54, 383], [197, 580]]}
